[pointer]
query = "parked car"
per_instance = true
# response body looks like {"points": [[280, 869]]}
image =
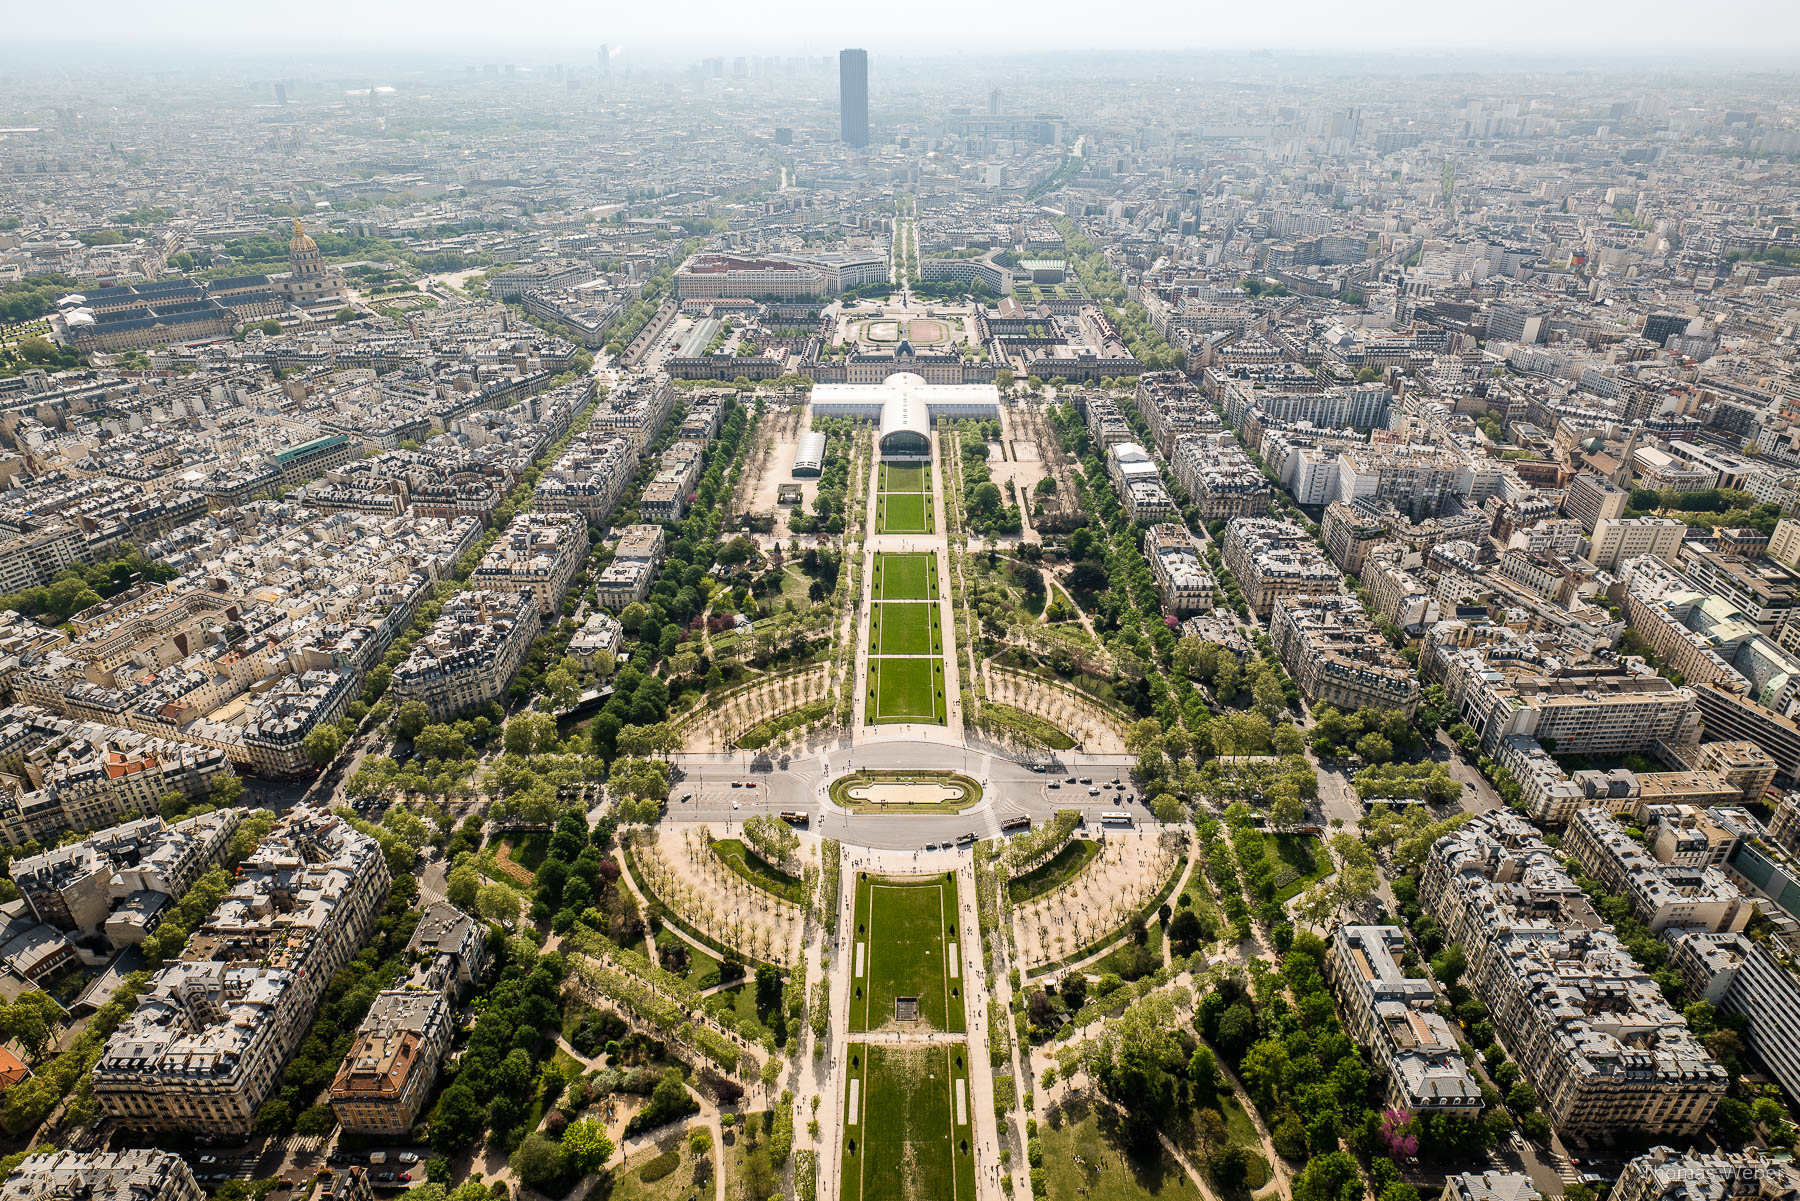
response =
{"points": [[408, 1157]]}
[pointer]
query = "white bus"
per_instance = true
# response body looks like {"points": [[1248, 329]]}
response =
{"points": [[1115, 817]]}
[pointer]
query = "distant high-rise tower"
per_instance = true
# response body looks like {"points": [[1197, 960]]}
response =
{"points": [[853, 96], [281, 93], [994, 103], [605, 56]]}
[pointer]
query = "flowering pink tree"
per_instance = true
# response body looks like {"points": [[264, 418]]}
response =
{"points": [[1396, 1131]]}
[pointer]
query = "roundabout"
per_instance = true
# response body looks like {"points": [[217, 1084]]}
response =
{"points": [[907, 792]]}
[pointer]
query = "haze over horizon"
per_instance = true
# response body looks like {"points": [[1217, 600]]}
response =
{"points": [[1764, 30]]}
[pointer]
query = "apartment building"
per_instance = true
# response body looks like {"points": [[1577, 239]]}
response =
{"points": [[548, 276], [588, 477], [1662, 894], [537, 552], [121, 879], [1746, 685], [1139, 482], [79, 774], [1172, 406], [1181, 576], [1599, 708], [1273, 558], [636, 558], [389, 1070], [140, 1174], [1591, 499], [1419, 481], [471, 653], [1219, 477], [1744, 977], [665, 497], [207, 1042], [1363, 408], [1765, 591], [1742, 763], [1690, 836], [1337, 657], [635, 409], [1106, 424], [1618, 540], [1395, 592], [1351, 530], [1589, 1029], [1784, 543], [1395, 1016], [1665, 1174]]}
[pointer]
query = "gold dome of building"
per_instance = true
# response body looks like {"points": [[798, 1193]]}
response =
{"points": [[301, 242]]}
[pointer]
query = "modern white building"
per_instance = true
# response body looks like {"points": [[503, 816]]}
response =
{"points": [[1620, 539], [868, 402]]}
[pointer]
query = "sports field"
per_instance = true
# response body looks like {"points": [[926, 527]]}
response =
{"points": [[906, 948], [906, 1131], [906, 689], [905, 576], [905, 513], [905, 628]]}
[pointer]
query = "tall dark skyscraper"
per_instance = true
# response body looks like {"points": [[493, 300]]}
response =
{"points": [[853, 96]]}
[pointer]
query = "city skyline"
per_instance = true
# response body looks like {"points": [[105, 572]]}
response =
{"points": [[901, 605]]}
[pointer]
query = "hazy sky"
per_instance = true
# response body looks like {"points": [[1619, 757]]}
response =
{"points": [[679, 28]]}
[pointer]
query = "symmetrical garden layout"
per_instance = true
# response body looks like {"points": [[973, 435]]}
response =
{"points": [[906, 950], [906, 641], [903, 505], [908, 1134]]}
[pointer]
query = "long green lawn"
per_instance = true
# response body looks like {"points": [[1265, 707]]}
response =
{"points": [[905, 628], [905, 513], [905, 477], [903, 928], [905, 576], [902, 1139], [906, 690]]}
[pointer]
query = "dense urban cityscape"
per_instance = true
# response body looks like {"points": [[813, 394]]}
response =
{"points": [[627, 624]]}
